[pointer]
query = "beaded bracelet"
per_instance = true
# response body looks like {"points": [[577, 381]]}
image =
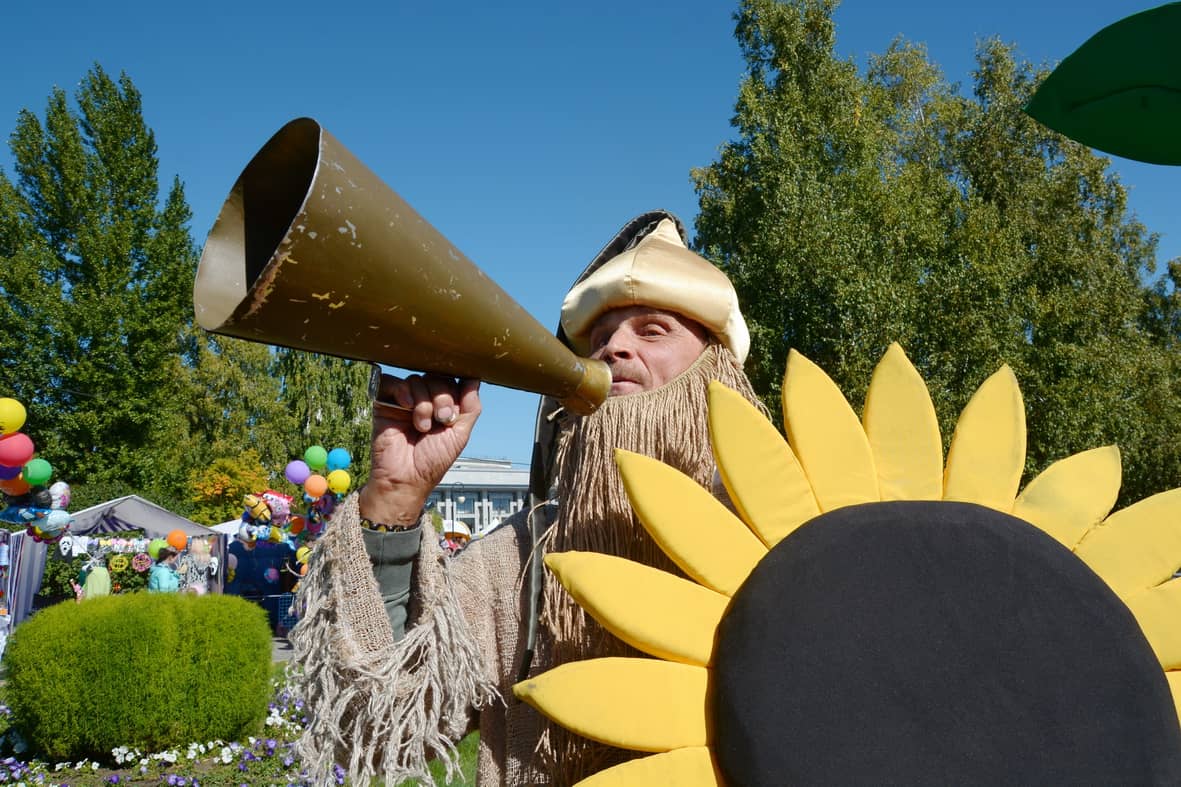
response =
{"points": [[381, 527]]}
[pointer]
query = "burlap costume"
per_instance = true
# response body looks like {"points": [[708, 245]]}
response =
{"points": [[383, 706]]}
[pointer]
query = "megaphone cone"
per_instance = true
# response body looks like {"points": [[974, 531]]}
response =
{"points": [[313, 251]]}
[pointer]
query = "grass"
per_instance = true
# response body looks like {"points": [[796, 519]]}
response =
{"points": [[268, 759]]}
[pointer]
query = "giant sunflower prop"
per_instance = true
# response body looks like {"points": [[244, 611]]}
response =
{"points": [[872, 616]]}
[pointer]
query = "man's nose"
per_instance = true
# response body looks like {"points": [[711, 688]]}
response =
{"points": [[617, 347]]}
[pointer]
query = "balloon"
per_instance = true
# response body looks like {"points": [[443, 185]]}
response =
{"points": [[59, 494], [14, 486], [7, 472], [316, 485], [316, 457], [297, 471], [303, 570], [15, 449], [155, 546], [279, 504], [271, 575], [37, 471], [178, 540], [12, 415], [39, 497], [55, 523], [246, 533], [232, 560], [339, 459], [338, 481], [276, 535], [302, 554], [297, 524]]}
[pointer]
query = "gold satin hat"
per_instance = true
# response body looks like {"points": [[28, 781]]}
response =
{"points": [[660, 272]]}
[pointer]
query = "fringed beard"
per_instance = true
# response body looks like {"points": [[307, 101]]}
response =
{"points": [[670, 424]]}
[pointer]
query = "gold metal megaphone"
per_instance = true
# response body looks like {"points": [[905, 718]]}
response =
{"points": [[312, 251]]}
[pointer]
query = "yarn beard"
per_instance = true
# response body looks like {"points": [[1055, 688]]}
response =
{"points": [[670, 424]]}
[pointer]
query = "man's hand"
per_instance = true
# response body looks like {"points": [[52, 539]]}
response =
{"points": [[414, 447]]}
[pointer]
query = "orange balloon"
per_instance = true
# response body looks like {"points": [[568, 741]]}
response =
{"points": [[296, 525], [178, 540], [303, 570], [316, 485], [18, 486]]}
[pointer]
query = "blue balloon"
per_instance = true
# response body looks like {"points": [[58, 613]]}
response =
{"points": [[339, 459]]}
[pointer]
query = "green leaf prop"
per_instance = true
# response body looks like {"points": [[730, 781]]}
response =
{"points": [[1120, 92]]}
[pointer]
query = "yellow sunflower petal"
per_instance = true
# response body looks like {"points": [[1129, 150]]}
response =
{"points": [[987, 453], [903, 431], [766, 483], [652, 610], [1072, 495], [827, 437], [639, 704], [691, 767], [700, 534], [1139, 547], [1157, 611], [1174, 679]]}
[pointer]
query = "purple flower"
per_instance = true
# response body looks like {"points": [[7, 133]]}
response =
{"points": [[113, 778]]}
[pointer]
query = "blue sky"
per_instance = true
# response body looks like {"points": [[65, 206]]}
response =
{"points": [[527, 132]]}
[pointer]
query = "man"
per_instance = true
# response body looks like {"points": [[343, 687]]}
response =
{"points": [[401, 659]]}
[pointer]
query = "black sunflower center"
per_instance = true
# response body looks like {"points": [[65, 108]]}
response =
{"points": [[935, 643]]}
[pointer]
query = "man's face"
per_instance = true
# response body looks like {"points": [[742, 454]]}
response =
{"points": [[645, 347]]}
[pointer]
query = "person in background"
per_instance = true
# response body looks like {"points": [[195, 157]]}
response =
{"points": [[163, 577], [193, 567]]}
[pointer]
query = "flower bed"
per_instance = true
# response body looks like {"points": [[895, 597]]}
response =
{"points": [[269, 760]]}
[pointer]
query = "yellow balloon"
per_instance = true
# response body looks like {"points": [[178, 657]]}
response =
{"points": [[12, 415], [338, 481]]}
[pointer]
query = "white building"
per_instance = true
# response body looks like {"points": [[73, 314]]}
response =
{"points": [[481, 493]]}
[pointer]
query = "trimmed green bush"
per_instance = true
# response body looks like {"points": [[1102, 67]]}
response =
{"points": [[147, 670]]}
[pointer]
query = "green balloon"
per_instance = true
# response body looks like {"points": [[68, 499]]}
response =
{"points": [[37, 472], [316, 457], [155, 546]]}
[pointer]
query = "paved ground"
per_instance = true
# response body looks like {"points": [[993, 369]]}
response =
{"points": [[280, 649]]}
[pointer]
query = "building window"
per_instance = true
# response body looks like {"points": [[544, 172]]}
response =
{"points": [[501, 505]]}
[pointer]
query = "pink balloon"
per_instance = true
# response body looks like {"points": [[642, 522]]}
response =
{"points": [[15, 449]]}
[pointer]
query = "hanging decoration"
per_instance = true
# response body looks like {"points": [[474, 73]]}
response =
{"points": [[24, 498]]}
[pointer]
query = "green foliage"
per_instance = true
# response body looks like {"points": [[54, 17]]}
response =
{"points": [[329, 399], [141, 670], [56, 579], [125, 394], [853, 210], [95, 283], [219, 488]]}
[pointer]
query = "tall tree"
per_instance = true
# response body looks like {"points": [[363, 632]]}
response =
{"points": [[125, 393], [95, 279], [854, 210], [328, 400]]}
